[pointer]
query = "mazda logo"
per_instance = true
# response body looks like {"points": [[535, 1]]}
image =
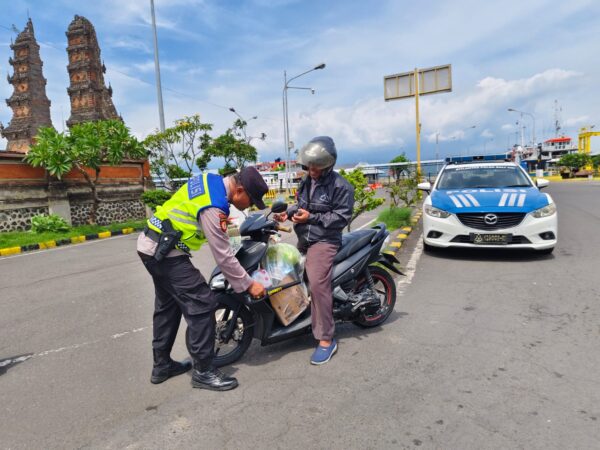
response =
{"points": [[490, 219]]}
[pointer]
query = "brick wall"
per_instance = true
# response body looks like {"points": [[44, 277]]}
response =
{"points": [[26, 191]]}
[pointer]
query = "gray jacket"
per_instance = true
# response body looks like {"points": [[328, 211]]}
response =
{"points": [[330, 207]]}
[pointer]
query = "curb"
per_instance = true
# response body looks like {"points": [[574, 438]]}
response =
{"points": [[67, 241], [402, 234]]}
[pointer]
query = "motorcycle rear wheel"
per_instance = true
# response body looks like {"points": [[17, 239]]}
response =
{"points": [[385, 288], [240, 338]]}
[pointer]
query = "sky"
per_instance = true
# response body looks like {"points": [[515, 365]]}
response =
{"points": [[215, 55]]}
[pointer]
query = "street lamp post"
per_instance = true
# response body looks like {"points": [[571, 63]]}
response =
{"points": [[161, 111], [532, 118], [485, 144], [244, 123], [286, 129]]}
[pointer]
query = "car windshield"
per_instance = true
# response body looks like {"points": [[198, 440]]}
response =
{"points": [[482, 177]]}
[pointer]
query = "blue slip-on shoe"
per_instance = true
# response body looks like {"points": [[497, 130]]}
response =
{"points": [[323, 354]]}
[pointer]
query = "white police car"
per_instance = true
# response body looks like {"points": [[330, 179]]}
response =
{"points": [[488, 203]]}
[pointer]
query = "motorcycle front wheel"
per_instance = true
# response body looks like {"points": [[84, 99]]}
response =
{"points": [[233, 334], [385, 288]]}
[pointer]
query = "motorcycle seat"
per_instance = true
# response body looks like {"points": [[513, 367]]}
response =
{"points": [[353, 242]]}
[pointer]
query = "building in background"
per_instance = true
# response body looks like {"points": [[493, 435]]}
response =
{"points": [[29, 103], [91, 100]]}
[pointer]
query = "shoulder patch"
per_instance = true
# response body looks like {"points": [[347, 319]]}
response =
{"points": [[195, 187], [223, 222]]}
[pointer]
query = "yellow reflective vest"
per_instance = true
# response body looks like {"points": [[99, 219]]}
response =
{"points": [[183, 209]]}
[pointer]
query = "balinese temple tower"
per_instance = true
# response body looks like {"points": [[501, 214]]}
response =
{"points": [[91, 100], [29, 104]]}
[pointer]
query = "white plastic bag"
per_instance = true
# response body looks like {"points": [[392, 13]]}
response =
{"points": [[283, 260]]}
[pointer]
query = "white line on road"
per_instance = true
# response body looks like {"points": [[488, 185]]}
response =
{"points": [[367, 224], [411, 267], [8, 362]]}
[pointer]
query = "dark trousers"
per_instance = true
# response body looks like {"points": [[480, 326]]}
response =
{"points": [[180, 289], [319, 270]]}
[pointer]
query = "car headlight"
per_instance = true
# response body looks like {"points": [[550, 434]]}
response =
{"points": [[218, 282], [546, 211], [436, 212]]}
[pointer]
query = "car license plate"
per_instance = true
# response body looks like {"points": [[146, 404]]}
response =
{"points": [[490, 239]]}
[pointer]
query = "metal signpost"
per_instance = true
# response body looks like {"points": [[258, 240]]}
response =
{"points": [[414, 84]]}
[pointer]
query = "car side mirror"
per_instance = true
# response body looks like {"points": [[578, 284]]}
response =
{"points": [[541, 183], [278, 207], [425, 186]]}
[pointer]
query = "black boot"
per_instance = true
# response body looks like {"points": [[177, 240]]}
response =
{"points": [[207, 376], [165, 368]]}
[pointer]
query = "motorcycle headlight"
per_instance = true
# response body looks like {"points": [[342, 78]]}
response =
{"points": [[546, 211], [436, 212], [218, 282]]}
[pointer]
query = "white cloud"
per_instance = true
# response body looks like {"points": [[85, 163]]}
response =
{"points": [[576, 121]]}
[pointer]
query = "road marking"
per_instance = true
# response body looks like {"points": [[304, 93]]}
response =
{"points": [[9, 362], [367, 224], [411, 267]]}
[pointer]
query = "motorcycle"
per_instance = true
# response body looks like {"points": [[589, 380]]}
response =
{"points": [[364, 292]]}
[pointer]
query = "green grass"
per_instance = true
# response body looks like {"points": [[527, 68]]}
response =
{"points": [[22, 238], [395, 217]]}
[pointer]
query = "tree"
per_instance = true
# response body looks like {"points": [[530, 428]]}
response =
{"points": [[85, 148], [233, 147], [184, 143], [403, 192], [397, 171], [596, 163], [174, 171], [575, 161], [364, 197]]}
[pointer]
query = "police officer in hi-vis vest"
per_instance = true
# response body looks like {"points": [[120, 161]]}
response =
{"points": [[202, 204]]}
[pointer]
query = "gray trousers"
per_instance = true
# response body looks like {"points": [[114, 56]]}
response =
{"points": [[319, 270]]}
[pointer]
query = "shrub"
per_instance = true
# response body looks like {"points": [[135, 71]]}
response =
{"points": [[395, 217], [155, 198], [42, 223]]}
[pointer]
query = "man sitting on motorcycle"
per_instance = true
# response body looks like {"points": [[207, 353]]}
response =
{"points": [[324, 208]]}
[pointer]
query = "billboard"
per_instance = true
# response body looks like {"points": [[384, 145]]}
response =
{"points": [[431, 81]]}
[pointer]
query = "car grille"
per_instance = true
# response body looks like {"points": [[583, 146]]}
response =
{"points": [[465, 239], [476, 220]]}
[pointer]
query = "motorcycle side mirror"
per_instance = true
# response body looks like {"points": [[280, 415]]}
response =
{"points": [[278, 207]]}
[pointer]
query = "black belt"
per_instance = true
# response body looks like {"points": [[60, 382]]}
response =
{"points": [[150, 233]]}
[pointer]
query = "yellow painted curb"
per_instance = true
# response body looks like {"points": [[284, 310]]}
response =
{"points": [[104, 234], [77, 239], [10, 251], [128, 230], [47, 244], [396, 244], [402, 236], [389, 253], [407, 229]]}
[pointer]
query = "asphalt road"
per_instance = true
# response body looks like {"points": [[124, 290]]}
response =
{"points": [[484, 350]]}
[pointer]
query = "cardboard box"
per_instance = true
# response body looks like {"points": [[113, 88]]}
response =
{"points": [[289, 303]]}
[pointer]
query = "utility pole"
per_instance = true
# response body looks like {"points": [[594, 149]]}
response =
{"points": [[161, 112]]}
